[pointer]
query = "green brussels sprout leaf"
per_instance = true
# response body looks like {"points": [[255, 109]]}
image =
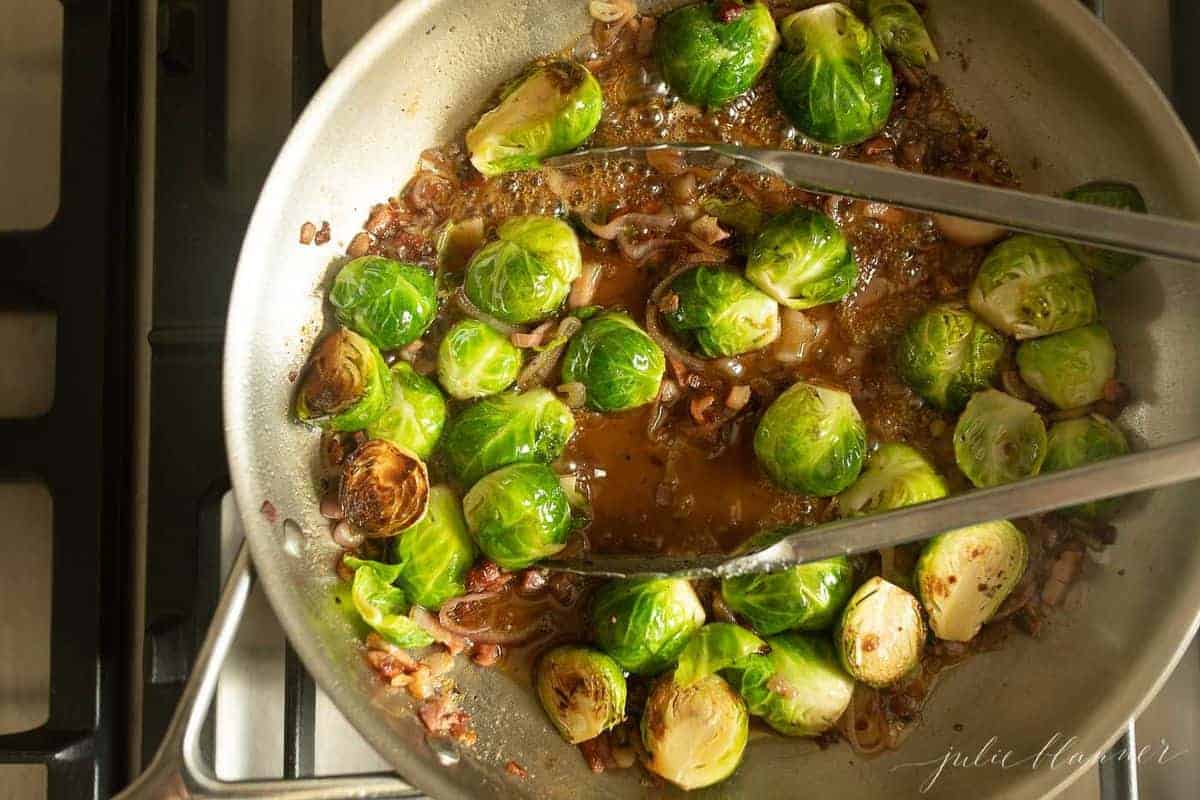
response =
{"points": [[806, 597], [526, 273], [834, 82], [801, 259], [582, 691], [518, 515], [722, 312], [434, 554], [742, 216], [389, 302], [384, 606], [811, 440], [901, 31], [999, 439], [716, 646], [644, 623], [549, 110], [947, 354], [1070, 369], [616, 361], [509, 428]]}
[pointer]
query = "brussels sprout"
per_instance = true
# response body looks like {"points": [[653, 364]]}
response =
{"points": [[504, 429], [1113, 194], [901, 31], [345, 385], [712, 52], [801, 259], [742, 216], [582, 690], [389, 302], [963, 576], [798, 688], [1029, 286], [896, 476], [881, 634], [549, 110], [694, 735], [526, 273], [644, 623], [722, 312], [383, 489], [416, 416], [811, 440], [947, 354], [716, 646], [619, 364], [382, 605], [435, 553], [474, 360], [1076, 442], [834, 81], [807, 597], [999, 439], [518, 514], [1069, 369]]}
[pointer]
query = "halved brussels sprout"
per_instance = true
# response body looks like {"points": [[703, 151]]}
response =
{"points": [[526, 273], [503, 429], [881, 634], [801, 259], [383, 489], [834, 81], [582, 691], [619, 364], [963, 576], [435, 553], [811, 440], [712, 52], [644, 623], [798, 688], [896, 476], [549, 110], [1071, 368], [345, 386], [722, 312], [695, 735], [999, 439], [1030, 286], [1076, 442], [518, 514], [806, 597], [389, 302], [716, 646], [742, 216], [901, 31], [947, 354], [1114, 194], [417, 413], [384, 606], [475, 360]]}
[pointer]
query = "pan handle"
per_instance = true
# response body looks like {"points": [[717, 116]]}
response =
{"points": [[178, 771]]}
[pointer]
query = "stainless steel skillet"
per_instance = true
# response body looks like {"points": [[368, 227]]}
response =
{"points": [[1050, 83]]}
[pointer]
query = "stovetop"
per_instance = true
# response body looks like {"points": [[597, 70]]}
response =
{"points": [[218, 85]]}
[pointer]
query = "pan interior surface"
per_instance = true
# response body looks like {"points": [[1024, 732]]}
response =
{"points": [[1063, 101]]}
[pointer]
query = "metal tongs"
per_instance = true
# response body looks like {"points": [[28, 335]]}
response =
{"points": [[1141, 234]]}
